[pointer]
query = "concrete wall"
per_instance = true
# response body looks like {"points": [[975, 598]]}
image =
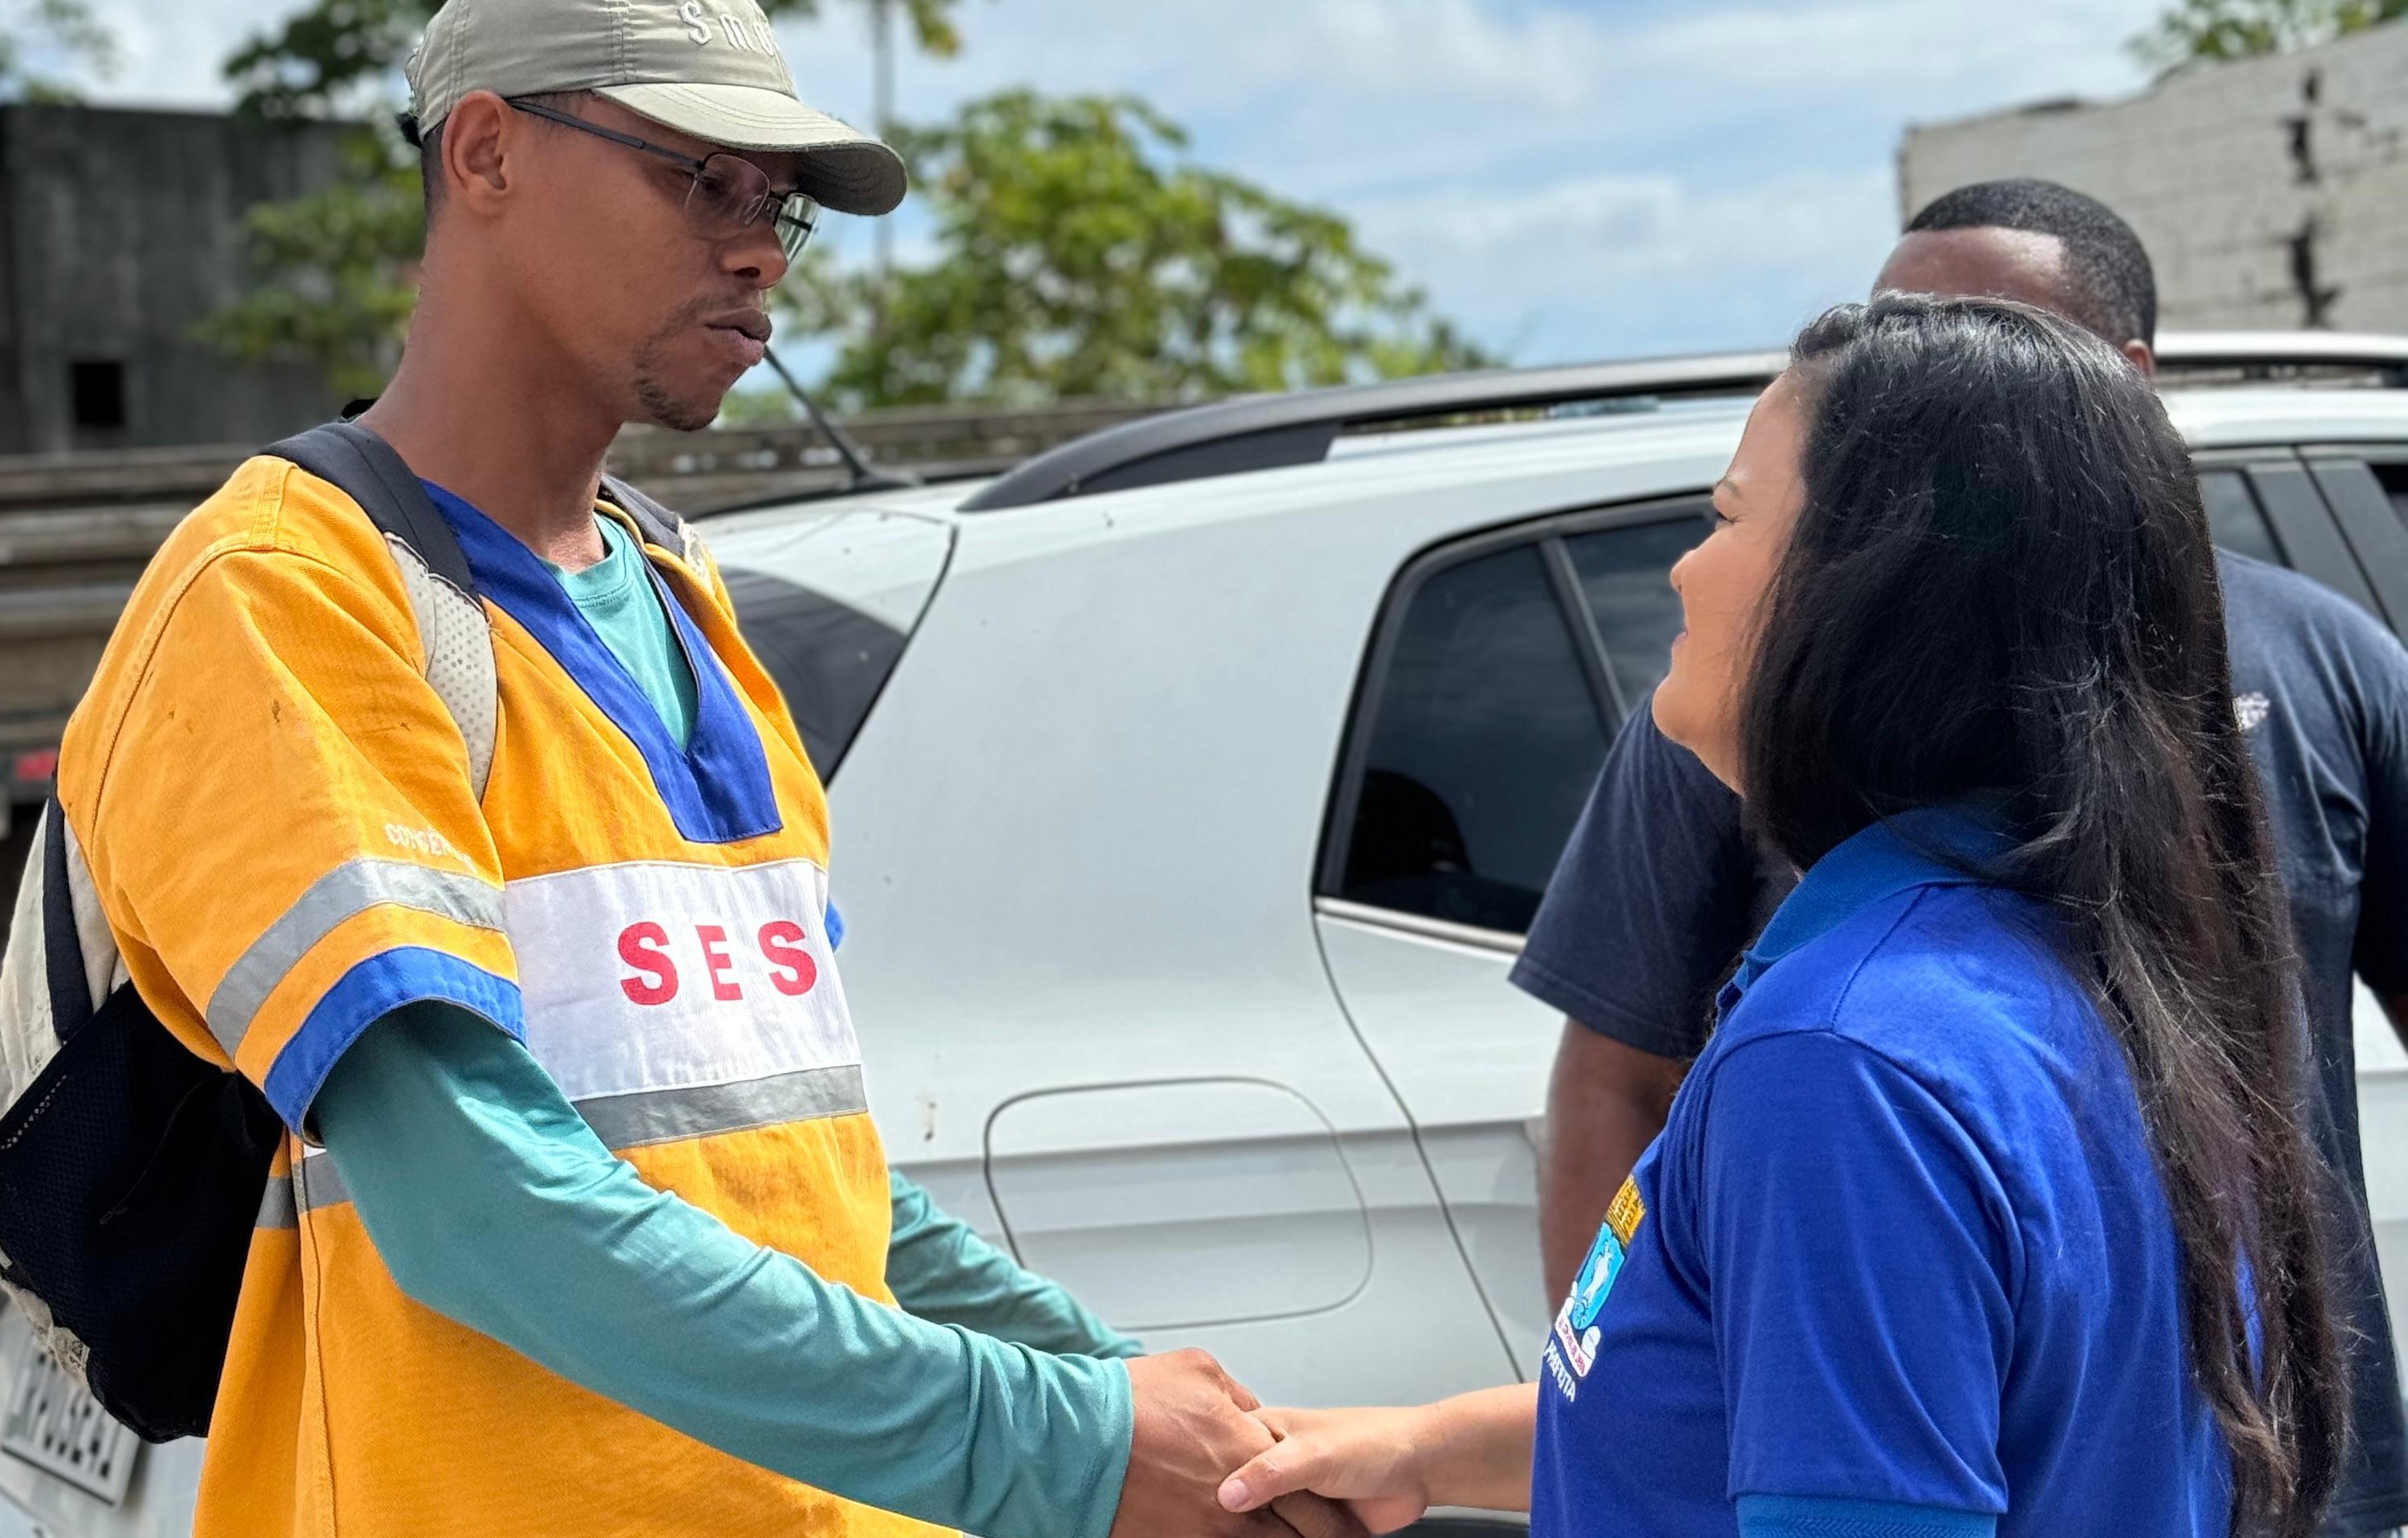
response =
{"points": [[2272, 192], [119, 230]]}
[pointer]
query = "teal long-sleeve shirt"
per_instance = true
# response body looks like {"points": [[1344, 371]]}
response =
{"points": [[491, 1203], [939, 1269]]}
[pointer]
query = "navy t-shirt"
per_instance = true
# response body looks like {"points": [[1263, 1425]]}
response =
{"points": [[1659, 889], [1901, 1242]]}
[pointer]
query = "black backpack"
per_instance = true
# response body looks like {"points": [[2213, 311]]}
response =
{"points": [[133, 1172]]}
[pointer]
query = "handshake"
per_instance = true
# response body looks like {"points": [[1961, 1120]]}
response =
{"points": [[1203, 1446]]}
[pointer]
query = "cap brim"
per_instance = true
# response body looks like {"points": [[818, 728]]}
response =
{"points": [[844, 168]]}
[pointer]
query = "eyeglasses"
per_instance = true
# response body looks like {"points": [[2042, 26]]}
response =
{"points": [[728, 194]]}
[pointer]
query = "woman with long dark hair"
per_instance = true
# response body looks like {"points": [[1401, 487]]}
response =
{"points": [[1985, 1209]]}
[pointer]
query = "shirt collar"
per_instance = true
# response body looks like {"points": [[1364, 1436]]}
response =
{"points": [[610, 581], [1926, 847]]}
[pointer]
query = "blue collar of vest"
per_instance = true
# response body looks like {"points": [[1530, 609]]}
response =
{"points": [[1929, 846], [717, 788]]}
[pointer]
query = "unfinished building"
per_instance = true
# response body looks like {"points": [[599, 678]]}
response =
{"points": [[2272, 192]]}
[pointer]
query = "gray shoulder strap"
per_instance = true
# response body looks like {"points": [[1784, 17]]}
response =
{"points": [[455, 639]]}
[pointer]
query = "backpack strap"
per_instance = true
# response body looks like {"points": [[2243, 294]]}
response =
{"points": [[366, 467], [456, 637], [657, 523], [62, 949]]}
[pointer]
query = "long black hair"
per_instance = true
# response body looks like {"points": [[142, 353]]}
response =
{"points": [[2001, 586]]}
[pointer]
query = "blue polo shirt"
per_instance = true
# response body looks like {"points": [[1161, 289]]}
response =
{"points": [[1899, 1263]]}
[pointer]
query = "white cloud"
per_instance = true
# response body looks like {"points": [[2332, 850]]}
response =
{"points": [[1441, 53], [1927, 51], [1648, 228], [175, 54], [1655, 263]]}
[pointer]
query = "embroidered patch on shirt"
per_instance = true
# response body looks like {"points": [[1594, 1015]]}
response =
{"points": [[1573, 1351]]}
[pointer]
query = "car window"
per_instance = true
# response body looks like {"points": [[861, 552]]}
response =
{"points": [[828, 658], [2394, 479], [827, 597], [1625, 576], [1483, 739], [2234, 520]]}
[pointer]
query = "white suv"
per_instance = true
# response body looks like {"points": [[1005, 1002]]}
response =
{"points": [[1194, 783]]}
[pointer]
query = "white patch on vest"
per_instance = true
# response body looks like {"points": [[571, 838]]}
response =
{"points": [[657, 976], [2252, 708]]}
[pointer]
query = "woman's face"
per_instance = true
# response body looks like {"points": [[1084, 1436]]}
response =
{"points": [[1722, 582]]}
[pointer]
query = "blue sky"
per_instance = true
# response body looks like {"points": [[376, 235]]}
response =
{"points": [[1568, 179]]}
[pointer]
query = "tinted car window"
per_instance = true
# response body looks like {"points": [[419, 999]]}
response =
{"points": [[2234, 520], [1484, 737], [1625, 576], [829, 660], [828, 598], [2394, 480]]}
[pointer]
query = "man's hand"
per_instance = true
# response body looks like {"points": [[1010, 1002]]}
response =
{"points": [[1192, 1428]]}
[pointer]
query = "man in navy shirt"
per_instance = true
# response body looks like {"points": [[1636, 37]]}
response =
{"points": [[1660, 888]]}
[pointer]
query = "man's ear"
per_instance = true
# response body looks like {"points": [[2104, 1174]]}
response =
{"points": [[477, 138], [2144, 356]]}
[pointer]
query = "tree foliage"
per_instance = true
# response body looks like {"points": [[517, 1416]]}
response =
{"points": [[39, 37], [932, 23], [1079, 253], [2206, 30], [335, 272], [326, 55]]}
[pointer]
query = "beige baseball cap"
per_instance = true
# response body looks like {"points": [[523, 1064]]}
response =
{"points": [[708, 68]]}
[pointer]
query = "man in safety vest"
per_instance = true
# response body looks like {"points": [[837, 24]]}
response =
{"points": [[585, 1228]]}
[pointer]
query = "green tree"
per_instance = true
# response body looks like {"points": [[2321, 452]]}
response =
{"points": [[1079, 253], [339, 268], [335, 273], [2206, 30], [37, 36]]}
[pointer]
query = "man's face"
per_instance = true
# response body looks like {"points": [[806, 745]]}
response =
{"points": [[662, 315], [1991, 264]]}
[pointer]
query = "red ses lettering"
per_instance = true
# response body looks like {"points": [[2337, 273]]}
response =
{"points": [[712, 937], [645, 946], [792, 971], [783, 945]]}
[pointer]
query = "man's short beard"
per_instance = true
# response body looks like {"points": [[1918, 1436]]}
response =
{"points": [[659, 405], [665, 410]]}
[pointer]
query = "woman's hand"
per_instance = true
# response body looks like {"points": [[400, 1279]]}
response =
{"points": [[1390, 1466], [1372, 1459]]}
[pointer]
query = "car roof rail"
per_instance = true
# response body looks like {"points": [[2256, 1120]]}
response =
{"points": [[2286, 349], [1273, 432], [1269, 432]]}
